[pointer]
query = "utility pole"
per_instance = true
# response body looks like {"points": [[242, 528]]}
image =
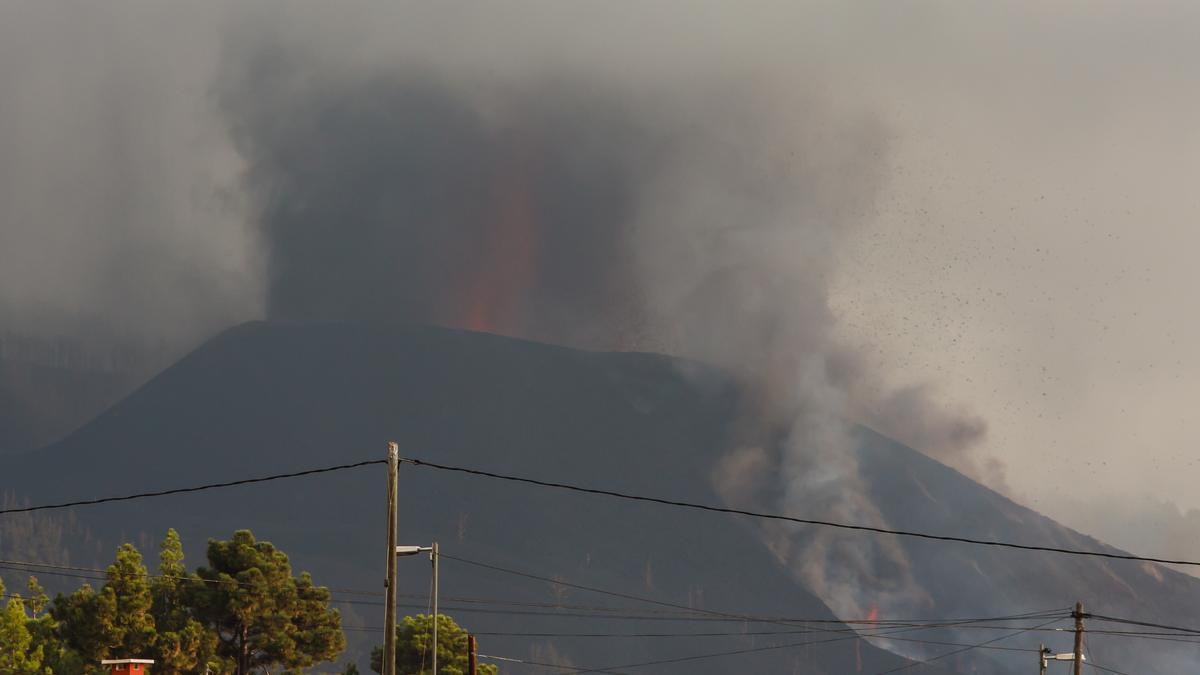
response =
{"points": [[433, 556], [1078, 614], [389, 603], [1042, 652], [471, 649]]}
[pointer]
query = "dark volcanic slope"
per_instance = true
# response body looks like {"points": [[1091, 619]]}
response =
{"points": [[42, 403], [918, 493], [267, 398]]}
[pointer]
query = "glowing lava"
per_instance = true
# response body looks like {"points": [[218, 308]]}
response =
{"points": [[504, 268]]}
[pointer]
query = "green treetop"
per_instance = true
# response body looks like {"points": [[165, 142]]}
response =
{"points": [[182, 643], [414, 643], [264, 617], [114, 623], [18, 655]]}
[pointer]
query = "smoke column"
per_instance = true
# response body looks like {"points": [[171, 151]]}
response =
{"points": [[559, 185], [395, 197], [579, 209]]}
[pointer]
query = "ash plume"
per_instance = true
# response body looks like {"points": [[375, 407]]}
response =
{"points": [[553, 185], [394, 196], [117, 223], [586, 209]]}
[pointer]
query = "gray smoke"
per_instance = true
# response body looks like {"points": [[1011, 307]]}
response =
{"points": [[395, 195], [583, 184], [705, 218], [117, 221]]}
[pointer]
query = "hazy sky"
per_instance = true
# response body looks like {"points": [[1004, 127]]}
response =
{"points": [[1034, 253], [1029, 257]]}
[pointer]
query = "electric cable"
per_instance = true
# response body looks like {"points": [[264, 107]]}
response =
{"points": [[687, 614], [1132, 622], [1108, 670], [616, 494], [724, 615], [966, 649], [429, 610], [195, 488], [793, 519], [860, 636], [958, 624], [98, 574]]}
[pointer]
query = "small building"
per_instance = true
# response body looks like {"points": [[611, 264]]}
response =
{"points": [[128, 666]]}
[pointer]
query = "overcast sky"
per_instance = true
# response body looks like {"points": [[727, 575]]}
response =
{"points": [[1030, 256]]}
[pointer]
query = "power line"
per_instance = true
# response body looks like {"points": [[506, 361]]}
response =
{"points": [[98, 574], [792, 519], [592, 589], [608, 493], [682, 615], [1164, 637], [1087, 656], [542, 664], [602, 612], [429, 610], [1108, 670], [686, 614], [887, 634], [958, 624], [890, 628], [709, 635], [1171, 637], [746, 634], [516, 612], [734, 652], [1143, 636], [882, 634], [53, 572], [967, 648], [196, 488], [1132, 622], [731, 615]]}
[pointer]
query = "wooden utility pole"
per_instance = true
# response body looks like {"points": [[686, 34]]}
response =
{"points": [[1078, 614], [1042, 659], [433, 556], [389, 603], [471, 649]]}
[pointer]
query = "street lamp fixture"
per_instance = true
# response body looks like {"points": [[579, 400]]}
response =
{"points": [[402, 551]]}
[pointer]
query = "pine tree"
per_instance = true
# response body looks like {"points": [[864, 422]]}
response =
{"points": [[114, 623], [262, 615], [414, 647], [37, 597], [182, 643], [18, 654], [77, 616], [125, 603], [318, 628], [57, 657]]}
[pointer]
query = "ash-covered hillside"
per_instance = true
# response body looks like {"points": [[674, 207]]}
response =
{"points": [[267, 398], [50, 387]]}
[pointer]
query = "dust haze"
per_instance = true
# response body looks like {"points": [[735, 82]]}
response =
{"points": [[836, 205]]}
